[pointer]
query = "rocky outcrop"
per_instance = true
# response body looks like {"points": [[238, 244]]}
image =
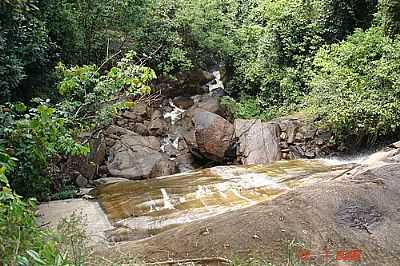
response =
{"points": [[177, 132], [158, 126], [303, 140], [257, 142], [214, 135], [134, 156]]}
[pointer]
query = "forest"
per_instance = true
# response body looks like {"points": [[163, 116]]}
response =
{"points": [[69, 66]]}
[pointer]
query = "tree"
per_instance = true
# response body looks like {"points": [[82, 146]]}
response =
{"points": [[391, 17], [26, 53]]}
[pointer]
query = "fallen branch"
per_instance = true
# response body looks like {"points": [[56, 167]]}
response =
{"points": [[172, 262]]}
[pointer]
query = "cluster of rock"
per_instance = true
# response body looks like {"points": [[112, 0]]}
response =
{"points": [[299, 139], [179, 132]]}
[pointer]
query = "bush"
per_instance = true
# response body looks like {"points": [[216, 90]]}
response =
{"points": [[26, 52], [356, 86], [22, 242], [34, 136], [278, 39], [90, 99]]}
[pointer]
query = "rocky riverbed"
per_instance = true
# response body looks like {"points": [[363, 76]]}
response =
{"points": [[176, 173], [167, 134]]}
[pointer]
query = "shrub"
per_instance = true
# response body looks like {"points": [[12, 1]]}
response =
{"points": [[26, 52], [356, 86], [90, 99], [21, 241], [34, 136]]}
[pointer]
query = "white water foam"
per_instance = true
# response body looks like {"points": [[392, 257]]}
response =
{"points": [[216, 83], [370, 160], [244, 178], [175, 114]]}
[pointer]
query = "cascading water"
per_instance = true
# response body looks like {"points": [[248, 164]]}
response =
{"points": [[157, 204]]}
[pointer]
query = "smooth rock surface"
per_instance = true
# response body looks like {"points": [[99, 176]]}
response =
{"points": [[258, 142], [134, 157], [109, 180], [214, 135], [52, 213]]}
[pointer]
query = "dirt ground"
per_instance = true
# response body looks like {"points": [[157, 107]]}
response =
{"points": [[355, 216]]}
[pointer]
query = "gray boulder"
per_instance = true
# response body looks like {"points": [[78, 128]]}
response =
{"points": [[258, 142], [134, 157]]}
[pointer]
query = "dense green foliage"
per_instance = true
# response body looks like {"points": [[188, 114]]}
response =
{"points": [[90, 99], [356, 85], [336, 61], [391, 14], [26, 52], [22, 242], [34, 136]]}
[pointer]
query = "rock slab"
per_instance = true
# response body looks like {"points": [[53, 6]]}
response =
{"points": [[134, 156], [258, 142]]}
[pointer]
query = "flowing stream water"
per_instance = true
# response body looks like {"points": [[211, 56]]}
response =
{"points": [[148, 207], [152, 206]]}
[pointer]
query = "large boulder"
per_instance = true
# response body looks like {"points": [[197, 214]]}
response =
{"points": [[214, 135], [258, 142], [134, 156], [209, 104]]}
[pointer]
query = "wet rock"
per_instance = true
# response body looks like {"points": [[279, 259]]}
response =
{"points": [[158, 126], [81, 181], [164, 167], [213, 135], [258, 142], [109, 180], [134, 157], [183, 102]]}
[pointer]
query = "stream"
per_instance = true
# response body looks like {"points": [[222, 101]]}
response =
{"points": [[152, 206]]}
